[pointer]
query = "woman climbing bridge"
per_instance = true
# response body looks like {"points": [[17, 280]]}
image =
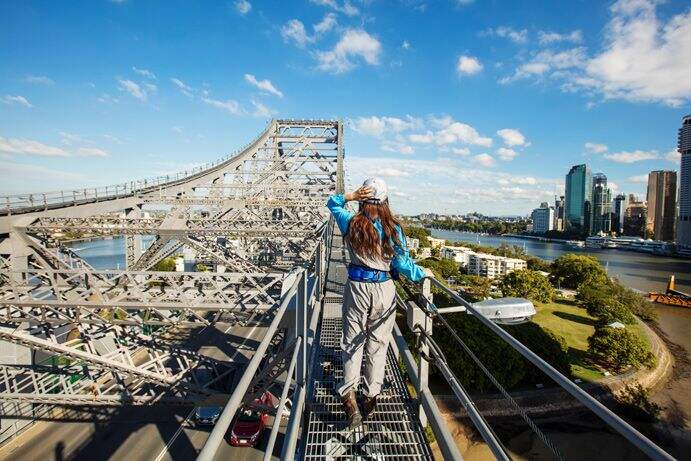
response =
{"points": [[378, 254]]}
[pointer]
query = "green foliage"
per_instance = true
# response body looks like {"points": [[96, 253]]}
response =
{"points": [[526, 283], [476, 288], [443, 268], [636, 303], [507, 365], [603, 302], [618, 348], [484, 226], [634, 400], [537, 264], [202, 268], [419, 233], [572, 270], [165, 265]]}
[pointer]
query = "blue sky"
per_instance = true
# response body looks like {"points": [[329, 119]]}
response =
{"points": [[460, 105]]}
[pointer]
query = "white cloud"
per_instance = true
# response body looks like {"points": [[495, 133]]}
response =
{"points": [[70, 138], [463, 151], [548, 61], [30, 147], [242, 6], [484, 160], [346, 8], [260, 110], [468, 65], [631, 157], [390, 172], [23, 172], [426, 138], [397, 147], [673, 156], [105, 98], [38, 80], [377, 126], [641, 178], [264, 85], [91, 152], [405, 45], [184, 89], [15, 100], [326, 24], [294, 30], [137, 91], [461, 132], [231, 106], [516, 36], [506, 154], [595, 148], [642, 58], [112, 138], [545, 38], [354, 43], [512, 137], [144, 73]]}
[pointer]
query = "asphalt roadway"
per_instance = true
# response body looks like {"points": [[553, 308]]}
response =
{"points": [[151, 433]]}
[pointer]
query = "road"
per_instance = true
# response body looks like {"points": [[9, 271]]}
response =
{"points": [[142, 433]]}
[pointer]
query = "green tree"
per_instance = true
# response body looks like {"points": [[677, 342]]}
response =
{"points": [[618, 348], [525, 283], [635, 401], [419, 233], [201, 267], [636, 303], [572, 270], [165, 265], [443, 268], [602, 302], [475, 287]]}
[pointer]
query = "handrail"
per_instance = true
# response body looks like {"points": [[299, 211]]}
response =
{"points": [[610, 418], [224, 420], [12, 203]]}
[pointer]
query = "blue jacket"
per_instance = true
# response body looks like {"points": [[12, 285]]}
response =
{"points": [[401, 262]]}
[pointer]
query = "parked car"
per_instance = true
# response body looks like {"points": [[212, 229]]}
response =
{"points": [[207, 415]]}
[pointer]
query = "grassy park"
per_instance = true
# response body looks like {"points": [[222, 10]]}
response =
{"points": [[573, 323]]}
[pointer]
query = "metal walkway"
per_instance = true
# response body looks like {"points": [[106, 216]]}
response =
{"points": [[393, 432]]}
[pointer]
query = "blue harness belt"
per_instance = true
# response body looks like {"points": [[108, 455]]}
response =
{"points": [[366, 274]]}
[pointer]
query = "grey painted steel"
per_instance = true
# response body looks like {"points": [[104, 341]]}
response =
{"points": [[268, 453], [447, 445], [632, 435], [291, 437], [221, 427]]}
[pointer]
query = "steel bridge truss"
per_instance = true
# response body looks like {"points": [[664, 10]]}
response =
{"points": [[109, 336]]}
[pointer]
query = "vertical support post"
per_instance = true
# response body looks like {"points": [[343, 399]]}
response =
{"points": [[133, 243], [423, 367], [301, 327]]}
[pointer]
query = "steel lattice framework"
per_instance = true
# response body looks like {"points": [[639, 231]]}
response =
{"points": [[112, 337]]}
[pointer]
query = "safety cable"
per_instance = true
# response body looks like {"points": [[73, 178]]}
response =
{"points": [[506, 395]]}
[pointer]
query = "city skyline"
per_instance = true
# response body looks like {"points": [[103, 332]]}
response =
{"points": [[434, 94]]}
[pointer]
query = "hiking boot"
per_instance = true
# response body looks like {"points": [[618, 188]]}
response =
{"points": [[351, 410], [368, 406]]}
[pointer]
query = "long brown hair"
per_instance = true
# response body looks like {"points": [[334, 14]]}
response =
{"points": [[363, 236]]}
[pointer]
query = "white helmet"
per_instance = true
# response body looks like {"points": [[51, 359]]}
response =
{"points": [[379, 190]]}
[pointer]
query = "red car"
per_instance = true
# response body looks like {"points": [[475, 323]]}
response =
{"points": [[250, 422]]}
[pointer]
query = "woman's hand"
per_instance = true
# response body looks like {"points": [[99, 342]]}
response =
{"points": [[428, 272], [363, 193]]}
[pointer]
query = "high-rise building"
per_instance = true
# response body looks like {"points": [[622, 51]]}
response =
{"points": [[635, 217], [684, 220], [543, 218], [618, 213], [577, 199], [662, 205], [559, 213], [601, 205]]}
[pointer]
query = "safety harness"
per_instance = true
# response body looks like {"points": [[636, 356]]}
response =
{"points": [[359, 273]]}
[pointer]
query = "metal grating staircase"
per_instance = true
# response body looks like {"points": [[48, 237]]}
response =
{"points": [[393, 432]]}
